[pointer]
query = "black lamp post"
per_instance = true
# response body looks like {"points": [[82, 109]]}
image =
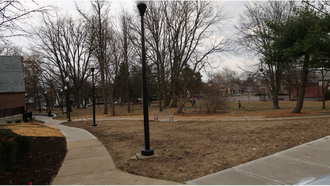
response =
{"points": [[264, 89], [62, 100], [92, 66], [26, 107], [69, 106], [147, 151], [46, 100], [66, 101]]}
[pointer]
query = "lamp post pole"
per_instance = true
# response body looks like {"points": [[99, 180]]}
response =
{"points": [[92, 66], [147, 151], [62, 100], [46, 100], [69, 106], [26, 108], [66, 101]]}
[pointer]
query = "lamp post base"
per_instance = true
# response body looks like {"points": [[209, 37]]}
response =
{"points": [[94, 125], [147, 152], [69, 119]]}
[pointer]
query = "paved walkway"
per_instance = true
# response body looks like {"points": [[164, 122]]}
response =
{"points": [[88, 162]]}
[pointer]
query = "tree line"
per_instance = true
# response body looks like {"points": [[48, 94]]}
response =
{"points": [[177, 47], [285, 38], [288, 38]]}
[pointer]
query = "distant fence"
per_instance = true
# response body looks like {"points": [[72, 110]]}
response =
{"points": [[11, 111], [264, 98]]}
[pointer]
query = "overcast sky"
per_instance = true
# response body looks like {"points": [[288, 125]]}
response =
{"points": [[234, 8]]}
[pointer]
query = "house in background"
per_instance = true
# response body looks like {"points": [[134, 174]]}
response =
{"points": [[12, 87]]}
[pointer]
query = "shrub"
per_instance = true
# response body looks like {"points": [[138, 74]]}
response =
{"points": [[6, 134], [18, 121], [6, 155], [213, 101], [23, 145]]}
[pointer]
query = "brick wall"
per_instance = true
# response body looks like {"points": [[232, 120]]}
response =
{"points": [[12, 100], [312, 91]]}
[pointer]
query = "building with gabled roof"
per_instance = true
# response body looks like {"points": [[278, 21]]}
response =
{"points": [[12, 87]]}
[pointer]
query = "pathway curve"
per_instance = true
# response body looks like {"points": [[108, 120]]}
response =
{"points": [[88, 162]]}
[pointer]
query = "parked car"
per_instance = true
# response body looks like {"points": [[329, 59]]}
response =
{"points": [[238, 94], [42, 108]]}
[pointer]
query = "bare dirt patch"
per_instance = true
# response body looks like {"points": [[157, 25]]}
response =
{"points": [[189, 150]]}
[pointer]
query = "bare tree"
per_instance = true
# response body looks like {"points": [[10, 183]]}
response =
{"points": [[32, 78], [227, 79], [255, 38], [99, 31], [157, 43], [12, 12], [63, 42], [180, 33], [213, 100], [127, 48], [114, 56], [10, 50]]}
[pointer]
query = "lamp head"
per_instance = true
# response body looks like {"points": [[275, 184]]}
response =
{"points": [[142, 6], [45, 92], [61, 90], [67, 79], [65, 88], [92, 65]]}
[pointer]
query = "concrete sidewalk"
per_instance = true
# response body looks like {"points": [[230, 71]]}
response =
{"points": [[287, 167], [88, 162]]}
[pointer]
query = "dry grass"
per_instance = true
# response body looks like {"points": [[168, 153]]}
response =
{"points": [[35, 129], [251, 108]]}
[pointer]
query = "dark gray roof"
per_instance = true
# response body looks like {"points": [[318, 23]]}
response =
{"points": [[11, 74]]}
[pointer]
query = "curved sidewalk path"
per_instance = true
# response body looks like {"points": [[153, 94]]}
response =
{"points": [[88, 162]]}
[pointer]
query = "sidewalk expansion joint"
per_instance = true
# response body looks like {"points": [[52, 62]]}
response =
{"points": [[303, 161], [97, 145], [87, 157], [257, 176], [68, 175]]}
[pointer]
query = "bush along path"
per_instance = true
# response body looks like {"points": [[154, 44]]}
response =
{"points": [[29, 160]]}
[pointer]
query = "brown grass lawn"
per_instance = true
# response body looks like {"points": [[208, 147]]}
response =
{"points": [[251, 108]]}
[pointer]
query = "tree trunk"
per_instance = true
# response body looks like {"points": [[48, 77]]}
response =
{"points": [[159, 94], [39, 103], [163, 88], [104, 84], [175, 98], [324, 92], [275, 100], [105, 111], [278, 75], [159, 87], [303, 81], [112, 95]]}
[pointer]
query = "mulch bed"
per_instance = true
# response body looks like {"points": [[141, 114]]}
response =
{"points": [[43, 164]]}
